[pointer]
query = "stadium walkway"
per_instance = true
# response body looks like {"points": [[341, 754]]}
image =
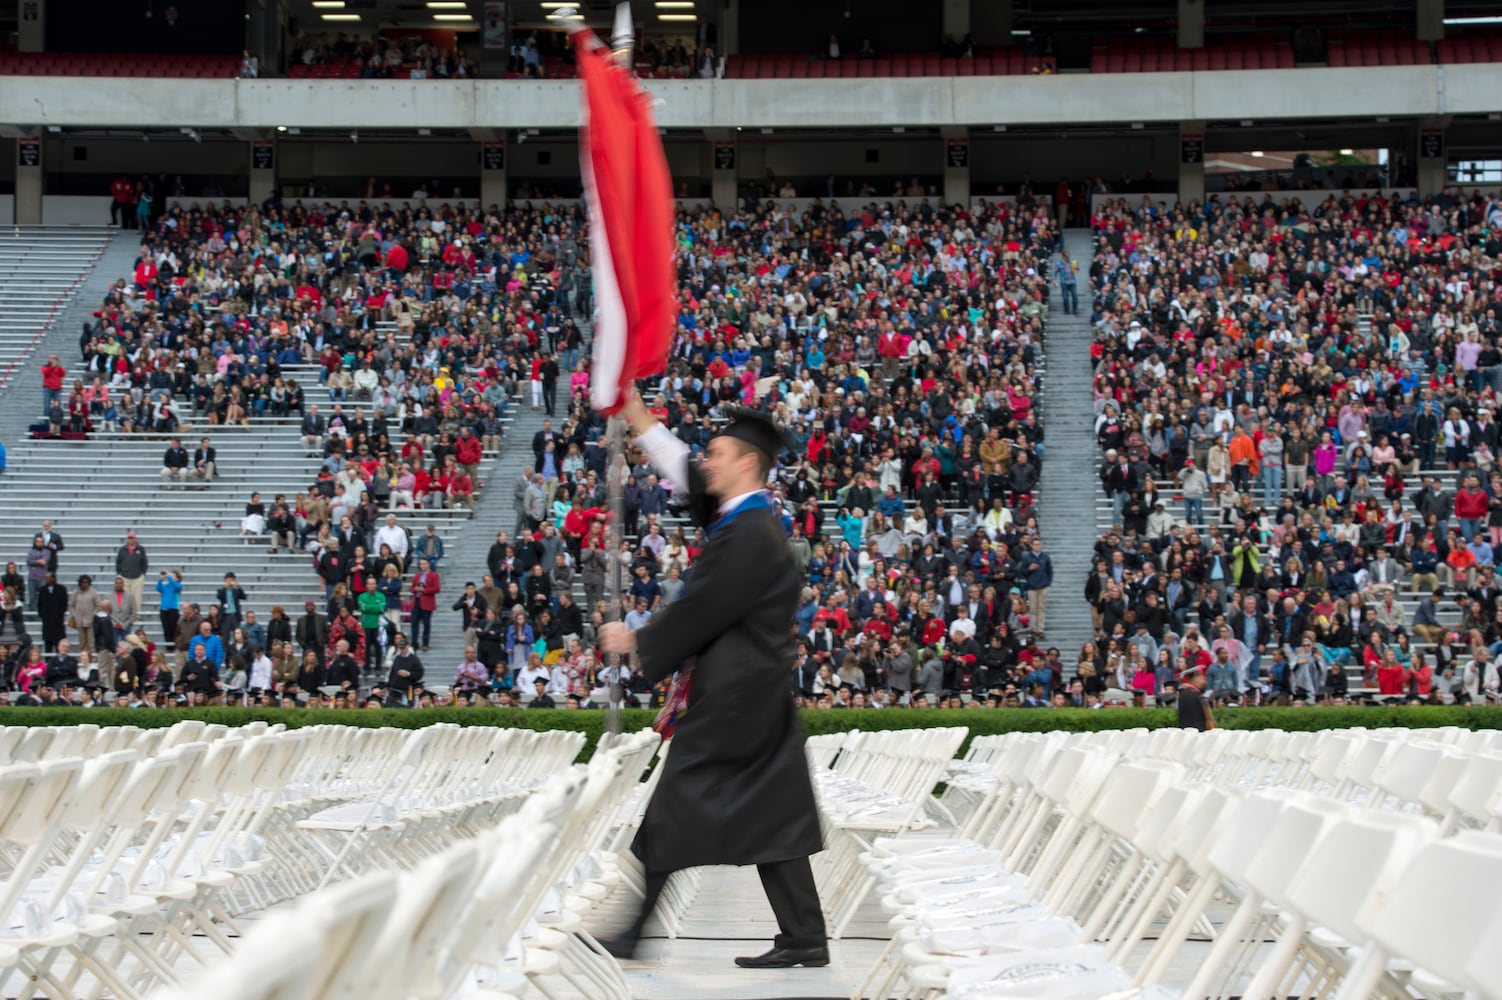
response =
{"points": [[1066, 507]]}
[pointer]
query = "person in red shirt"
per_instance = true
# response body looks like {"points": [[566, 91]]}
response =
{"points": [[53, 374], [892, 348], [468, 451], [461, 491], [425, 588], [122, 212], [1392, 679], [1470, 508], [396, 258], [146, 271]]}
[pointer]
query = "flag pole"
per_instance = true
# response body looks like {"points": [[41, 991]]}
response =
{"points": [[622, 42]]}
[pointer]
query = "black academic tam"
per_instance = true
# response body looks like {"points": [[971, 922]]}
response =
{"points": [[735, 788]]}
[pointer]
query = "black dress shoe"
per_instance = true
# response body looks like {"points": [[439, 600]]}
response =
{"points": [[787, 958], [619, 946]]}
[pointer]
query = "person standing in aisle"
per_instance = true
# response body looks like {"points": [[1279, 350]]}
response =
{"points": [[735, 789], [425, 588], [1066, 273], [169, 588], [131, 564], [1036, 568]]}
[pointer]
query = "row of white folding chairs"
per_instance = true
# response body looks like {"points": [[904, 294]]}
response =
{"points": [[354, 786], [880, 783], [444, 780], [1451, 773], [117, 864], [1077, 782], [490, 915], [32, 744], [192, 824]]}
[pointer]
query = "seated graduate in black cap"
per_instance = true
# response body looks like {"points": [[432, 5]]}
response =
{"points": [[735, 790]]}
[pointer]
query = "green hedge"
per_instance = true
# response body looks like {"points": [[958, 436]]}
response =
{"points": [[981, 721]]}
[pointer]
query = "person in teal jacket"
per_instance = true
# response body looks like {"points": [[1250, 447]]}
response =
{"points": [[169, 588], [852, 526]]}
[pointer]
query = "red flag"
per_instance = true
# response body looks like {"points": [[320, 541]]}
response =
{"points": [[630, 196]]}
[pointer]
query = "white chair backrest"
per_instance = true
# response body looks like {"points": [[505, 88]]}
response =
{"points": [[1348, 875], [1443, 905], [355, 914]]}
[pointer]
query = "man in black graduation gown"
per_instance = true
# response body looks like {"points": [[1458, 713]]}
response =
{"points": [[736, 789], [1193, 710]]}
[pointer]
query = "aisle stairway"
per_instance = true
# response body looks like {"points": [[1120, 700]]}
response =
{"points": [[496, 511], [44, 270], [95, 491], [1066, 507]]}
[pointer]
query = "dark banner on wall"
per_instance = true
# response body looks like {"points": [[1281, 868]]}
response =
{"points": [[155, 26]]}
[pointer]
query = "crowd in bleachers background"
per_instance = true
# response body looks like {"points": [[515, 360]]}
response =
{"points": [[532, 55], [905, 339], [1275, 388]]}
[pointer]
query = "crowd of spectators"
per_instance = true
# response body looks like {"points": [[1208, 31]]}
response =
{"points": [[383, 57], [903, 341], [537, 55], [1296, 410], [1291, 372]]}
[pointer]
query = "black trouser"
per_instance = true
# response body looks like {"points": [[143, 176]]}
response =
{"points": [[790, 889], [549, 395], [373, 649], [170, 618]]}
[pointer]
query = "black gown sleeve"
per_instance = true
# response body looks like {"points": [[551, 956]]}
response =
{"points": [[727, 579]]}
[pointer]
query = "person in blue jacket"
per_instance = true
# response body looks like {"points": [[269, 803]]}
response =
{"points": [[169, 588]]}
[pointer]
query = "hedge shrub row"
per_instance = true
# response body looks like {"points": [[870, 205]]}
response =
{"points": [[981, 721]]}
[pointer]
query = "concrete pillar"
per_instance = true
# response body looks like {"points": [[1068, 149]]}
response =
{"points": [[956, 166], [724, 170], [1429, 20], [262, 168], [31, 29], [1430, 156], [29, 181], [991, 22], [1191, 162], [263, 34], [1191, 24], [493, 189], [730, 28], [957, 18]]}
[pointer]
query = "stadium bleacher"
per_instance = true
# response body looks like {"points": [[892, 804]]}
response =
{"points": [[986, 62], [197, 66]]}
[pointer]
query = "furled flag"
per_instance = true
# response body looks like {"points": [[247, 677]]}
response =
{"points": [[630, 196]]}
